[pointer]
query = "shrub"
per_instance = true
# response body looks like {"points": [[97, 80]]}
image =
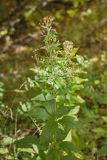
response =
{"points": [[55, 104]]}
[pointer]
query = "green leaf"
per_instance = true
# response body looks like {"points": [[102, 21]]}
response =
{"points": [[69, 158], [105, 87], [50, 48], [27, 150], [74, 98], [59, 83], [40, 98], [104, 118], [69, 147], [68, 138], [69, 122], [40, 113], [75, 110], [103, 150], [27, 141], [4, 151], [49, 131], [74, 51], [104, 99], [23, 107], [49, 97], [63, 110], [7, 141], [100, 131], [53, 155], [50, 106], [71, 12], [60, 134]]}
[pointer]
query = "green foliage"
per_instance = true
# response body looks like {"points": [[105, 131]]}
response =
{"points": [[55, 106]]}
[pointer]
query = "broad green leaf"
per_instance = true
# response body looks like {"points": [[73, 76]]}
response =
{"points": [[63, 110], [69, 123], [74, 99], [60, 134], [50, 106], [40, 113], [59, 83], [53, 155], [40, 98], [69, 147], [27, 141], [69, 158], [60, 99], [49, 97], [49, 131]]}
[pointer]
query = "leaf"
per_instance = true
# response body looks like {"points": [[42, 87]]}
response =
{"points": [[35, 148], [53, 155], [69, 122], [74, 51], [103, 150], [60, 134], [89, 114], [105, 87], [40, 113], [68, 138], [104, 118], [99, 132], [51, 47], [48, 132], [69, 147], [7, 141], [75, 110], [40, 97], [80, 59], [59, 83], [74, 98], [4, 151], [104, 99], [50, 106], [27, 141], [23, 107], [27, 150], [49, 97], [78, 81], [63, 110], [71, 12], [69, 158]]}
